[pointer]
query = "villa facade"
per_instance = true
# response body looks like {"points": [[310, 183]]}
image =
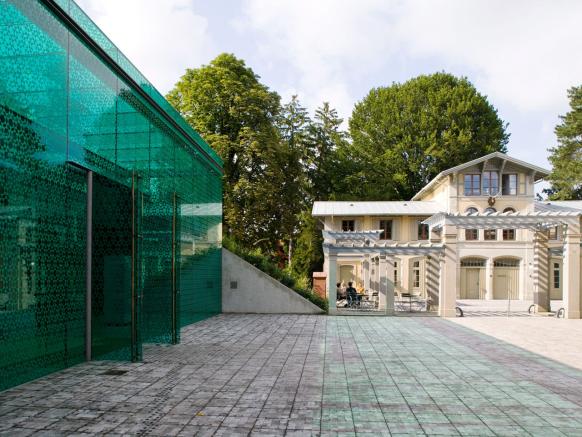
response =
{"points": [[474, 232]]}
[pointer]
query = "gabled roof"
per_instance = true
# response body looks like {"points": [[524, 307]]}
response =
{"points": [[333, 208], [540, 173]]}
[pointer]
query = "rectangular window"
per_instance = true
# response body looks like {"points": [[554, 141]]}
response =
{"points": [[490, 234], [471, 234], [423, 231], [556, 275], [396, 273], [348, 225], [386, 226], [553, 233], [509, 234], [472, 185], [509, 184], [416, 274], [490, 183]]}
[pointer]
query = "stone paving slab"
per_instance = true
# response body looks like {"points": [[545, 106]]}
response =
{"points": [[557, 339], [263, 375]]}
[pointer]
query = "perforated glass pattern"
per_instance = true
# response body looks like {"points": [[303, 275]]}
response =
{"points": [[68, 117]]}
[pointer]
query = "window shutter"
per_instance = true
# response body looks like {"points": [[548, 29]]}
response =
{"points": [[396, 228], [521, 178]]}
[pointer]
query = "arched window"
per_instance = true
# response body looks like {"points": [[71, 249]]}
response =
{"points": [[509, 209], [471, 211], [490, 210]]}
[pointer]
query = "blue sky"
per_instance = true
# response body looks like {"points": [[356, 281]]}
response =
{"points": [[523, 55]]}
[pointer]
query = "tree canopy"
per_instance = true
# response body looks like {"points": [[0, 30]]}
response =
{"points": [[278, 159], [403, 135], [566, 157], [236, 114]]}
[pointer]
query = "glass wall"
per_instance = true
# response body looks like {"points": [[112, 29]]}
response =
{"points": [[75, 135]]}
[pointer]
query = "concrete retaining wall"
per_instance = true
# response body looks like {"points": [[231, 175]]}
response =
{"points": [[246, 289]]}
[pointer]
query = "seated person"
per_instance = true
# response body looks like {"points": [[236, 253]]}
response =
{"points": [[353, 297], [341, 291]]}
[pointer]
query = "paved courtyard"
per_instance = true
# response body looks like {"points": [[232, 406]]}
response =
{"points": [[309, 375]]}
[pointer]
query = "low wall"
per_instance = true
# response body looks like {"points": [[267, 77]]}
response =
{"points": [[246, 289]]}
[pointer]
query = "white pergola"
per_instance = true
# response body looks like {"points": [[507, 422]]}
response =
{"points": [[378, 263], [441, 254], [446, 225]]}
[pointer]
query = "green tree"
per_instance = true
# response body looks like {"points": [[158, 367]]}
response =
{"points": [[327, 138], [566, 157], [403, 135], [225, 102], [321, 172]]}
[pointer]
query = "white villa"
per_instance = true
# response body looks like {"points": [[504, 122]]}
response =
{"points": [[474, 232]]}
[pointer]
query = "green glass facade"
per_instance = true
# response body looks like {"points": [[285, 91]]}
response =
{"points": [[110, 204]]}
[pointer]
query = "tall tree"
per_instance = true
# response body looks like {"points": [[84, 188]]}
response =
{"points": [[325, 138], [225, 102], [566, 157], [405, 134]]}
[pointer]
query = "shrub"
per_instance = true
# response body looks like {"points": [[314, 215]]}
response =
{"points": [[298, 284]]}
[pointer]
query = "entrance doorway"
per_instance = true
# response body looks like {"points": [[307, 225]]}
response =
{"points": [[472, 278], [111, 272], [506, 279]]}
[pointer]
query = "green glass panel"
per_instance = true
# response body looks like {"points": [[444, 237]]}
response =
{"points": [[65, 111]]}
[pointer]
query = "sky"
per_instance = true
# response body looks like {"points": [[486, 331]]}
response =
{"points": [[522, 54]]}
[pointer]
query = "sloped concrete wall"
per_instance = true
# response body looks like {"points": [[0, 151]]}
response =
{"points": [[246, 289]]}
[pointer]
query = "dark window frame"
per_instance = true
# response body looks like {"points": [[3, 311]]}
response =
{"points": [[386, 231], [474, 235], [557, 276], [474, 185], [490, 189], [347, 224], [506, 187], [507, 233], [423, 231], [490, 235]]}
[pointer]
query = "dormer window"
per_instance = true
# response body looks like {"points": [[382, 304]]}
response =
{"points": [[490, 183], [509, 184], [348, 225], [472, 185]]}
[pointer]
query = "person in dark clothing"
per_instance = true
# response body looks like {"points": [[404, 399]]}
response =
{"points": [[352, 295]]}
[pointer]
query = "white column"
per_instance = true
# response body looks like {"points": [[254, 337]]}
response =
{"points": [[366, 275], [541, 275], [331, 282], [571, 272], [432, 279], [386, 294], [489, 279], [451, 277]]}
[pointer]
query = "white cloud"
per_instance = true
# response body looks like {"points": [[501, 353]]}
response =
{"points": [[161, 38], [521, 53], [526, 53]]}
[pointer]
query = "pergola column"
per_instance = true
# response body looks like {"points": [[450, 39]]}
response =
{"points": [[366, 275], [386, 294], [450, 273], [571, 272], [331, 282], [541, 277], [375, 276], [489, 279], [432, 280]]}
